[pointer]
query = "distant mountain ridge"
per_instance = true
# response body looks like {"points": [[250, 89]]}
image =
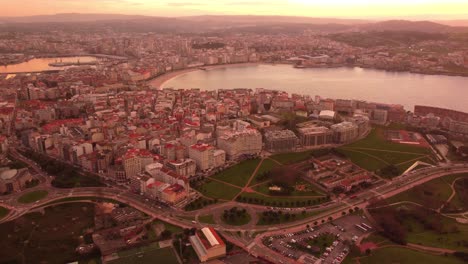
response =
{"points": [[219, 23], [405, 25]]}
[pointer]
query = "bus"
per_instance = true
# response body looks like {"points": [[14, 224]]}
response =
{"points": [[366, 226]]}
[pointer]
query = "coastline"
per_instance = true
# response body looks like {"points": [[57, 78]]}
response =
{"points": [[160, 80]]}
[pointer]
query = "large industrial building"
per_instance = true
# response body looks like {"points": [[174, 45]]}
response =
{"points": [[208, 244]]}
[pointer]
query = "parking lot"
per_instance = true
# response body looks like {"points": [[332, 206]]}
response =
{"points": [[321, 244]]}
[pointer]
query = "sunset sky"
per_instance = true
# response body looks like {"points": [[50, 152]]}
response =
{"points": [[440, 9]]}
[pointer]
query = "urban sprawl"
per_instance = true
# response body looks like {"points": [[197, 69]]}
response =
{"points": [[275, 175]]}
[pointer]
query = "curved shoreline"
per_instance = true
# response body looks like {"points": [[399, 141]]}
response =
{"points": [[159, 81]]}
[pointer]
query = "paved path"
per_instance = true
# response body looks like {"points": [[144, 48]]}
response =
{"points": [[252, 176], [454, 192]]}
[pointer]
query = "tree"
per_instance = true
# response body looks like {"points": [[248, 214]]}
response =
{"points": [[166, 234], [390, 170]]}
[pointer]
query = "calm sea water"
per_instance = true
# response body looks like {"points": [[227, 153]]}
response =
{"points": [[407, 89], [42, 64]]}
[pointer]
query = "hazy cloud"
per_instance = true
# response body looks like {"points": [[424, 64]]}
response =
{"points": [[182, 4], [253, 3]]}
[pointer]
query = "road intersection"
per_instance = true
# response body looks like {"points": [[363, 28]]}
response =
{"points": [[182, 218]]}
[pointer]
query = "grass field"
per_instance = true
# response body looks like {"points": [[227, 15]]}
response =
{"points": [[299, 216], [3, 212], [238, 221], [207, 219], [432, 194], [173, 228], [293, 157], [392, 255], [267, 165], [238, 174], [281, 201], [31, 197], [459, 201], [375, 152], [146, 255], [311, 190], [377, 138], [214, 189], [454, 241], [52, 237]]}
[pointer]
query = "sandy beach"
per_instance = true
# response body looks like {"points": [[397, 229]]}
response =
{"points": [[159, 82]]}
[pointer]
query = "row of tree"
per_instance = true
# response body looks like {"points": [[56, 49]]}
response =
{"points": [[285, 203], [66, 176]]}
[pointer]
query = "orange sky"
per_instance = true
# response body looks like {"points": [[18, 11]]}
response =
{"points": [[456, 9]]}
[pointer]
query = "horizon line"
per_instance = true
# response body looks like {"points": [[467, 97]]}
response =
{"points": [[427, 17]]}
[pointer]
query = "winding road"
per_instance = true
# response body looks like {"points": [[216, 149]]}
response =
{"points": [[182, 218]]}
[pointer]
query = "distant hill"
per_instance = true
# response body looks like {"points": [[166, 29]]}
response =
{"points": [[405, 25], [77, 17], [454, 23], [69, 17], [276, 20], [199, 24]]}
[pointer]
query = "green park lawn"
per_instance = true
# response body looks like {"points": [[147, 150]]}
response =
{"points": [[267, 165], [375, 152], [392, 255], [32, 197], [280, 201], [207, 219], [238, 174], [432, 194], [360, 158], [293, 157], [451, 240], [146, 255], [311, 190], [218, 190], [3, 212], [263, 221], [238, 220], [459, 201], [376, 140]]}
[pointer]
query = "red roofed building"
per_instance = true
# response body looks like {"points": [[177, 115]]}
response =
{"points": [[208, 244], [174, 194]]}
